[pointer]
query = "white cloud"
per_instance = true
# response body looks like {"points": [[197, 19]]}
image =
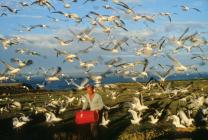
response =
{"points": [[131, 1], [184, 24], [25, 16]]}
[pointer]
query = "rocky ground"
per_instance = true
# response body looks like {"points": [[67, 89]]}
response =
{"points": [[120, 126]]}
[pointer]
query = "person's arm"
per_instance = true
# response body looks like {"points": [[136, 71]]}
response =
{"points": [[85, 103], [100, 102]]}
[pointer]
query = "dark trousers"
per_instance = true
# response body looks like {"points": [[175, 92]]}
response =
{"points": [[90, 131], [94, 127]]}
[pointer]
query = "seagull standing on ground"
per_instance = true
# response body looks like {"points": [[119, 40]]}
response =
{"points": [[136, 118], [105, 121]]}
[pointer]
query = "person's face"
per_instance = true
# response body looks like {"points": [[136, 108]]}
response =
{"points": [[90, 90]]}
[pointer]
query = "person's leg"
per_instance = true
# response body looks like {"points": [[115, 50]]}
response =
{"points": [[93, 127], [100, 116], [83, 132]]}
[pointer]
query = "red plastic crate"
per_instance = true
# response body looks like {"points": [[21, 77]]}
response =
{"points": [[85, 117]]}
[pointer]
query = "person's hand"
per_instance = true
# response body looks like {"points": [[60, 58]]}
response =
{"points": [[96, 111]]}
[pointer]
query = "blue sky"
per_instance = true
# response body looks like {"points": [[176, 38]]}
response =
{"points": [[42, 40]]}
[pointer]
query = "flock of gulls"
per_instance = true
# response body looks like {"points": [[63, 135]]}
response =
{"points": [[54, 106], [166, 47]]}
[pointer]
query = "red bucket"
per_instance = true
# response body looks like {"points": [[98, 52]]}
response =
{"points": [[85, 117]]}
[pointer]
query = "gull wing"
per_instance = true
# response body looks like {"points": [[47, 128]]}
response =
{"points": [[133, 113], [176, 62], [58, 72], [84, 82], [145, 64], [8, 67], [75, 84], [186, 30], [168, 72]]}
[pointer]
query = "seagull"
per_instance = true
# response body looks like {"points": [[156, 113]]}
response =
{"points": [[50, 117], [84, 36], [69, 99], [105, 28], [136, 118], [21, 63], [203, 58], [112, 107], [67, 5], [55, 76], [120, 23], [86, 50], [87, 1], [101, 18], [153, 120], [24, 118], [149, 18], [113, 95], [39, 110], [181, 40], [159, 113], [7, 42], [136, 17], [10, 9], [59, 52], [165, 75], [97, 79], [3, 77], [112, 62], [62, 108], [197, 103], [138, 104], [148, 48], [87, 65], [113, 50], [3, 14], [105, 121], [55, 19], [10, 70], [82, 85], [24, 4], [108, 7], [81, 100], [70, 57], [166, 14], [73, 16], [17, 123], [21, 50], [205, 111], [178, 67], [63, 42], [112, 18], [41, 86], [117, 44], [184, 119], [92, 20], [176, 121], [186, 8], [35, 26], [126, 9], [43, 72], [144, 72], [44, 3], [16, 105]]}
